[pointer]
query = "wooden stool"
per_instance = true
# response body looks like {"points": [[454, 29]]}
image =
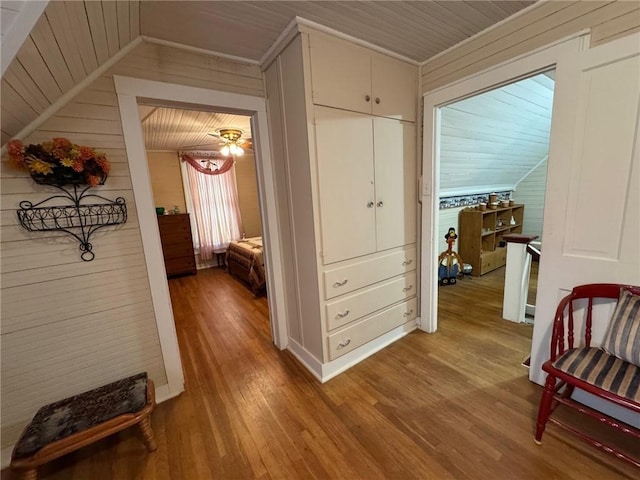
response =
{"points": [[67, 425]]}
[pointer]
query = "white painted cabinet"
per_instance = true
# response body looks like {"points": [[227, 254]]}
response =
{"points": [[350, 178], [366, 176], [351, 77]]}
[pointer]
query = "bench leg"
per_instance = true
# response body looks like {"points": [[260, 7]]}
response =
{"points": [[545, 407], [31, 474], [147, 433]]}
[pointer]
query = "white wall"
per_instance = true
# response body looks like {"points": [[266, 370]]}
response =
{"points": [[530, 191]]}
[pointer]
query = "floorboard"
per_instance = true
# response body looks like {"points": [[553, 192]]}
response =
{"points": [[456, 404]]}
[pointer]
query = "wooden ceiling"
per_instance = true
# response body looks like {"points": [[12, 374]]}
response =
{"points": [[176, 129], [415, 29], [72, 39]]}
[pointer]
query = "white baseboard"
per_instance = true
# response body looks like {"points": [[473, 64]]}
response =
{"points": [[326, 371], [310, 362]]}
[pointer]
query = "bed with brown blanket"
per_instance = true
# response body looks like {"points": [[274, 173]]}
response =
{"points": [[245, 261]]}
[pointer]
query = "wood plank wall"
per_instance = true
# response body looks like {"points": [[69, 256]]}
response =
{"points": [[69, 325], [543, 24], [67, 43]]}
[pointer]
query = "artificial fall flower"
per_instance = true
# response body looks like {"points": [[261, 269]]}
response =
{"points": [[67, 162], [48, 146], [78, 165], [62, 143], [104, 164], [86, 153], [92, 180], [40, 166], [16, 151]]}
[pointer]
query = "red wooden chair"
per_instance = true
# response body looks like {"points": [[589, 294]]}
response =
{"points": [[589, 368]]}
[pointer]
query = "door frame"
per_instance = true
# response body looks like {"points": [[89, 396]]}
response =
{"points": [[129, 90], [551, 56]]}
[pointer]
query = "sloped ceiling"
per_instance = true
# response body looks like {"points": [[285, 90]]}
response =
{"points": [[496, 138], [175, 129], [416, 29], [73, 38]]}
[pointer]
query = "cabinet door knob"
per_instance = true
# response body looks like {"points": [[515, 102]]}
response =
{"points": [[340, 284], [406, 289], [344, 344], [342, 314], [378, 100], [370, 205], [380, 203], [407, 262], [367, 98], [407, 314]]}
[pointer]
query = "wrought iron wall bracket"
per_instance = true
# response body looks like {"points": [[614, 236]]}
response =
{"points": [[76, 218]]}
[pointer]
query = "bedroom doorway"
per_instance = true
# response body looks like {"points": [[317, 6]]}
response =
{"points": [[130, 92], [202, 166]]}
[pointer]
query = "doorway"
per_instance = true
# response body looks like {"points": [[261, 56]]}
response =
{"points": [[493, 160], [130, 92]]}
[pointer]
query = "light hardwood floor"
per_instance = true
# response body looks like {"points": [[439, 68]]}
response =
{"points": [[456, 404]]}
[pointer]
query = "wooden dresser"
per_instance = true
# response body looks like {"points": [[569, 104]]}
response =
{"points": [[177, 245]]}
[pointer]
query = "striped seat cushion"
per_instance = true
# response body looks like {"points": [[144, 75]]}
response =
{"points": [[595, 366]]}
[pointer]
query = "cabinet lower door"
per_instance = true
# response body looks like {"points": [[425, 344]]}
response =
{"points": [[395, 170], [344, 147]]}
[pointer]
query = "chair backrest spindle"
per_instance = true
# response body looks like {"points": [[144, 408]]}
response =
{"points": [[587, 328]]}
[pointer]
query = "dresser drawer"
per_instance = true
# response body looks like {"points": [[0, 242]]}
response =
{"points": [[348, 308], [180, 265], [371, 327], [341, 280], [177, 250]]}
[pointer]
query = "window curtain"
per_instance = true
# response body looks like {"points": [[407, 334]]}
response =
{"points": [[213, 201]]}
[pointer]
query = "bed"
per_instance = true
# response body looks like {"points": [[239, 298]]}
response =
{"points": [[245, 261]]}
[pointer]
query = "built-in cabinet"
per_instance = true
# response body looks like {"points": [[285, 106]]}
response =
{"points": [[366, 183], [352, 77], [350, 177]]}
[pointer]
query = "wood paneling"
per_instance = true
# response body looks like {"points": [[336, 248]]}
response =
{"points": [[70, 325], [67, 43], [497, 137], [539, 26], [452, 405], [417, 30]]}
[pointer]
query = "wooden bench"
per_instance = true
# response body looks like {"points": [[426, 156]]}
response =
{"points": [[67, 425], [611, 372]]}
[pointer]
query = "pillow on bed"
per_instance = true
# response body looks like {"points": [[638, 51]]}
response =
{"points": [[622, 337]]}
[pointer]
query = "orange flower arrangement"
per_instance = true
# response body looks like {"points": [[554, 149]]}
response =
{"points": [[60, 162]]}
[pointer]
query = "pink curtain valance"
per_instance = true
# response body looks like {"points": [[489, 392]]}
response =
{"points": [[208, 165]]}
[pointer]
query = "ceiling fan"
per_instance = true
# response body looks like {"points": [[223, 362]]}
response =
{"points": [[232, 141]]}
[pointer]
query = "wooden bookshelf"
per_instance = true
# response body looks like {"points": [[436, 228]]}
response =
{"points": [[480, 242]]}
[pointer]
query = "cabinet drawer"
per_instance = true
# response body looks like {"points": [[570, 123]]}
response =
{"points": [[345, 279], [370, 328], [352, 307]]}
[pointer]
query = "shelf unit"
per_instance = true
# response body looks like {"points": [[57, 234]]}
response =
{"points": [[480, 241]]}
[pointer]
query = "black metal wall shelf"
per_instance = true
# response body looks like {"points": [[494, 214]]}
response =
{"points": [[78, 219]]}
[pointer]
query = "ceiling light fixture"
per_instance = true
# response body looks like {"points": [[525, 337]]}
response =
{"points": [[232, 141]]}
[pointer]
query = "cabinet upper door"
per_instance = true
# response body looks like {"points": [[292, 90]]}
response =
{"points": [[344, 152], [394, 88], [340, 74], [395, 170]]}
